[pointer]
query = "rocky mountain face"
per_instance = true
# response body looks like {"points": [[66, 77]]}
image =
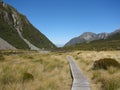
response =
{"points": [[115, 32], [89, 36], [18, 32]]}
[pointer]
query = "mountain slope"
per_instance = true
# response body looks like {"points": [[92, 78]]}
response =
{"points": [[87, 37], [19, 32]]}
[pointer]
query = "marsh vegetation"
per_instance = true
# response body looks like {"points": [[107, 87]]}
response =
{"points": [[34, 71], [50, 71]]}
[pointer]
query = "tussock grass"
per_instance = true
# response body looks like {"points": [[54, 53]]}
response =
{"points": [[35, 71], [112, 70], [27, 77], [51, 71], [109, 83], [96, 74]]}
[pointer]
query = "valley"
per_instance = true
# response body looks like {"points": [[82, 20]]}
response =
{"points": [[30, 61]]}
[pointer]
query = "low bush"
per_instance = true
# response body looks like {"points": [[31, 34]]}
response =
{"points": [[105, 63], [27, 77]]}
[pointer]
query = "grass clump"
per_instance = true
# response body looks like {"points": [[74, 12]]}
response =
{"points": [[96, 74], [6, 76], [109, 83], [106, 80], [112, 70], [105, 63], [2, 57], [27, 77]]}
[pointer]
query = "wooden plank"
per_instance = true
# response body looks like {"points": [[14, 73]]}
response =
{"points": [[79, 80]]}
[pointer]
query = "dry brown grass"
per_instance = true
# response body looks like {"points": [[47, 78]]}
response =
{"points": [[51, 71], [48, 71], [99, 79]]}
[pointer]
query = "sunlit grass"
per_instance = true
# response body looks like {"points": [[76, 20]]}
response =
{"points": [[50, 71], [35, 71]]}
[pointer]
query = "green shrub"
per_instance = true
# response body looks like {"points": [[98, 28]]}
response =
{"points": [[27, 77], [105, 63], [30, 57]]}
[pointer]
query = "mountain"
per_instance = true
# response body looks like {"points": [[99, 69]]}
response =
{"points": [[16, 32], [102, 41], [87, 37]]}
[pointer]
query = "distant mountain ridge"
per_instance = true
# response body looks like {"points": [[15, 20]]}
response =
{"points": [[89, 36], [18, 32]]}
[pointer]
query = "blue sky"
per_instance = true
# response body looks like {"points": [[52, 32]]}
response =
{"points": [[61, 20]]}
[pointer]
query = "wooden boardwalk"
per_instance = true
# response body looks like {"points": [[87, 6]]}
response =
{"points": [[79, 80]]}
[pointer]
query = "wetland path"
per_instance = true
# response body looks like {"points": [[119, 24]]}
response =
{"points": [[79, 80]]}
